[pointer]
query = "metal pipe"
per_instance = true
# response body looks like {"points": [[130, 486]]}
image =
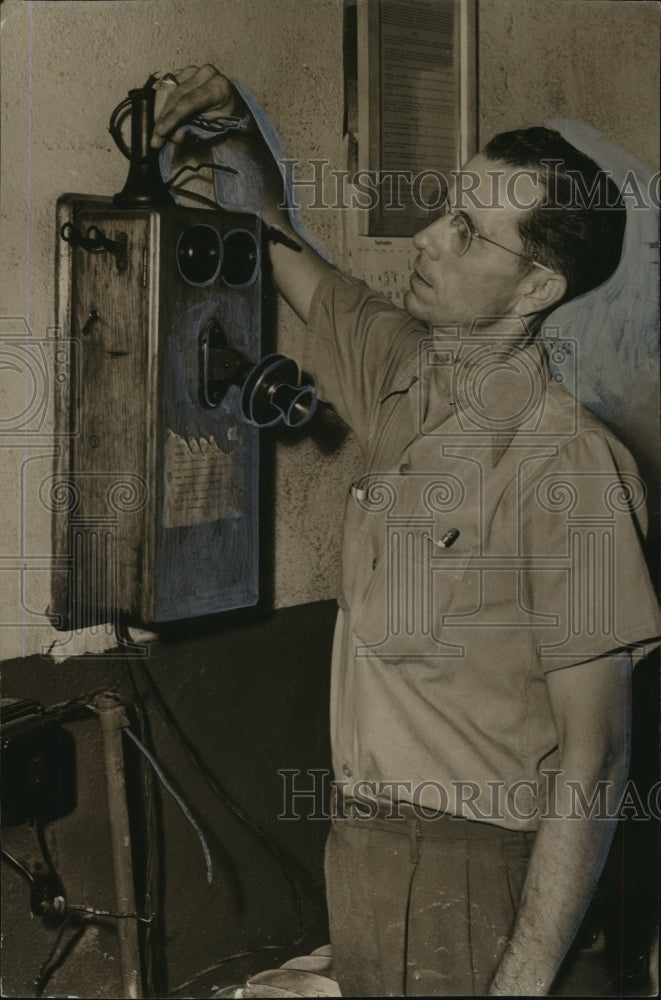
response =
{"points": [[112, 717]]}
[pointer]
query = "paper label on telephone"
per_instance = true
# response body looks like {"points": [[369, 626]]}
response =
{"points": [[201, 482]]}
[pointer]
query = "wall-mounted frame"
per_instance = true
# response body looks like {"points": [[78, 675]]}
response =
{"points": [[416, 113]]}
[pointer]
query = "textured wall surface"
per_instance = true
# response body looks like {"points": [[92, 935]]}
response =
{"points": [[592, 60], [64, 68]]}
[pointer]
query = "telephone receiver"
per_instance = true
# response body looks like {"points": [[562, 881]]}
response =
{"points": [[144, 185], [269, 390], [270, 393]]}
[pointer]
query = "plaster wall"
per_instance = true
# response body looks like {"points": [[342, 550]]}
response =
{"points": [[65, 65], [595, 61]]}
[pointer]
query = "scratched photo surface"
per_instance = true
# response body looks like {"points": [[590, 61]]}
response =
{"points": [[329, 395]]}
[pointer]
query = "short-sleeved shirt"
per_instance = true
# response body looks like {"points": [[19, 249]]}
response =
{"points": [[495, 535]]}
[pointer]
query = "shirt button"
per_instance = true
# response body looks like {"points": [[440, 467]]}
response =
{"points": [[404, 469], [347, 770]]}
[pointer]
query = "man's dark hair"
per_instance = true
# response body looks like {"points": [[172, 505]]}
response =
{"points": [[577, 227]]}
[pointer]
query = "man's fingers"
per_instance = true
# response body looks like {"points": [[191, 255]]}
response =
{"points": [[200, 90], [178, 136], [197, 76], [184, 74]]}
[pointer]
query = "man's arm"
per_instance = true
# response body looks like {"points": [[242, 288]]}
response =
{"points": [[297, 268], [591, 707]]}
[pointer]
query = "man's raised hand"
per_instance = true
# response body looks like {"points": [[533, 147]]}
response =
{"points": [[198, 90]]}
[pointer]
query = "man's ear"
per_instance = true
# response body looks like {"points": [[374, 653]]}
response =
{"points": [[539, 292]]}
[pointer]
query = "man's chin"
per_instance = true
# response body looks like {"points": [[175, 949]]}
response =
{"points": [[413, 307], [417, 310]]}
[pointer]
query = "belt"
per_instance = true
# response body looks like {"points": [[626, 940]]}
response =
{"points": [[399, 817]]}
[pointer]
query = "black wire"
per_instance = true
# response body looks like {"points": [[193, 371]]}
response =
{"points": [[195, 196], [196, 168], [202, 769], [148, 792], [67, 709], [152, 893], [48, 966], [274, 235], [233, 958], [212, 782], [92, 911], [82, 704], [40, 981]]}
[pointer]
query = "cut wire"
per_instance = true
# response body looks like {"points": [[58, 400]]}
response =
{"points": [[109, 913], [212, 782], [195, 196], [194, 169], [221, 793], [53, 961], [152, 937], [234, 958], [178, 799]]}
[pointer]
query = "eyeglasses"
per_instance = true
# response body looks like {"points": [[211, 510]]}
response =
{"points": [[464, 232]]}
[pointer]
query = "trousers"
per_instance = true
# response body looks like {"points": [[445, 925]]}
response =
{"points": [[421, 907]]}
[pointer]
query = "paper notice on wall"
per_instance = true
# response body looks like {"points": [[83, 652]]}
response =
{"points": [[417, 85], [200, 482]]}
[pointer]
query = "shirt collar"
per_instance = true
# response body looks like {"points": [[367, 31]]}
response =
{"points": [[477, 390]]}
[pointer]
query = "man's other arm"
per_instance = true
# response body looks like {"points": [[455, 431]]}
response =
{"points": [[297, 267], [591, 704]]}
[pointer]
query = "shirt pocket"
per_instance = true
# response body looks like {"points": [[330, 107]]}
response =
{"points": [[417, 580]]}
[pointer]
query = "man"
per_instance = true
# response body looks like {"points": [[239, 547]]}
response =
{"points": [[493, 585]]}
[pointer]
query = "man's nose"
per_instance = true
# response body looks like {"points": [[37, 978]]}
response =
{"points": [[434, 239]]}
